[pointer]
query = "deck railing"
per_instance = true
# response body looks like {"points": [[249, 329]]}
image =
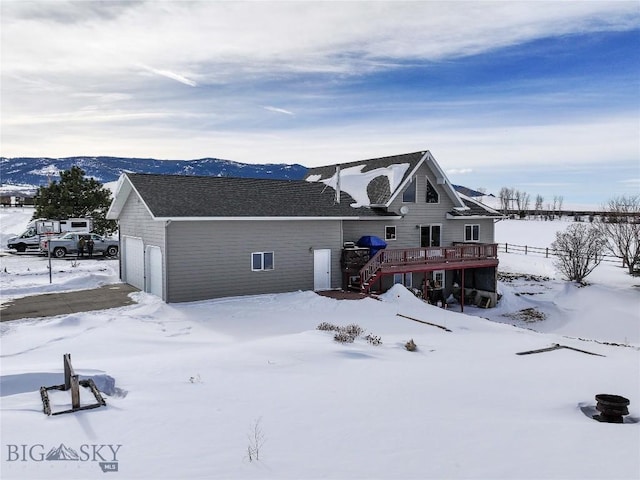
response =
{"points": [[424, 256]]}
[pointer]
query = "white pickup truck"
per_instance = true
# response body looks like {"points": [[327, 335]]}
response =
{"points": [[68, 244]]}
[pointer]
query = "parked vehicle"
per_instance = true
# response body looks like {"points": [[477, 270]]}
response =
{"points": [[68, 244], [41, 228]]}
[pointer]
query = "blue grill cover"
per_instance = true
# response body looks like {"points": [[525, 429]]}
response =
{"points": [[373, 243]]}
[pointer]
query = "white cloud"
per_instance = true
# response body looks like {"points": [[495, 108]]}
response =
{"points": [[169, 74], [459, 171], [278, 110], [80, 78], [456, 147], [222, 39], [631, 181]]}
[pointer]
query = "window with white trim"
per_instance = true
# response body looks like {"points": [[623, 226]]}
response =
{"points": [[261, 261], [472, 233], [432, 194], [405, 279], [390, 232], [409, 195]]}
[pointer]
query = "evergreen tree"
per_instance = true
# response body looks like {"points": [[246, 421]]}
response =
{"points": [[75, 196]]}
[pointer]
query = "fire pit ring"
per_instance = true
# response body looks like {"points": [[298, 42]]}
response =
{"points": [[611, 407]]}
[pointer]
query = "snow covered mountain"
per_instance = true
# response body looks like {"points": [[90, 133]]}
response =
{"points": [[38, 171], [23, 175]]}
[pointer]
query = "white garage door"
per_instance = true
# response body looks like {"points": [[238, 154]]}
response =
{"points": [[154, 270], [133, 261]]}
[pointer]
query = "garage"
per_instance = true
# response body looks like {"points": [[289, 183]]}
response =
{"points": [[133, 261]]}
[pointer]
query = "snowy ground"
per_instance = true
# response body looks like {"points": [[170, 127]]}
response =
{"points": [[196, 383]]}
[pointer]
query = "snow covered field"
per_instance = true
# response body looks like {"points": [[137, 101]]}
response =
{"points": [[198, 385]]}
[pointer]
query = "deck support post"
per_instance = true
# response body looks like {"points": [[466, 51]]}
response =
{"points": [[462, 291]]}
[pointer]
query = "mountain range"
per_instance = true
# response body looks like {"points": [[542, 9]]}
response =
{"points": [[23, 175], [27, 173]]}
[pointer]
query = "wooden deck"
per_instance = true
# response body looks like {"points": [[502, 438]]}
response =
{"points": [[404, 260]]}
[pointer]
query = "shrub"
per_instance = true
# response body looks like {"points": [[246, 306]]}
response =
{"points": [[579, 250], [411, 345], [349, 333], [373, 339], [353, 329], [327, 327], [344, 337]]}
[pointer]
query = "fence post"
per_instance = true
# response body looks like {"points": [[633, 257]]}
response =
{"points": [[66, 360], [525, 249], [506, 248], [71, 381], [546, 252]]}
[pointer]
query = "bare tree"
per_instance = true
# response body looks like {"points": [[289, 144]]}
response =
{"points": [[560, 202], [539, 203], [506, 196], [579, 249], [621, 229], [504, 199], [522, 202], [517, 194]]}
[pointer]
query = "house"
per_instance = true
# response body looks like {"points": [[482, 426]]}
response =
{"points": [[187, 238]]}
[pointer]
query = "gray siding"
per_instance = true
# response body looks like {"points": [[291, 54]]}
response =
{"points": [[135, 221], [423, 213], [210, 259], [420, 213], [456, 229]]}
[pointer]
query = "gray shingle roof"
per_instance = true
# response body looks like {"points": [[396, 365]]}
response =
{"points": [[378, 190], [475, 209], [175, 196]]}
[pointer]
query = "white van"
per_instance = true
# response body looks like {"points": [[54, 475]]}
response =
{"points": [[37, 229]]}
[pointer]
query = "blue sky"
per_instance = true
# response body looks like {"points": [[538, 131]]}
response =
{"points": [[539, 96]]}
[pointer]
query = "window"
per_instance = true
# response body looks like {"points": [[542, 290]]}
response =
{"points": [[408, 280], [29, 233], [471, 233], [432, 194], [409, 195], [261, 261], [390, 232], [430, 235], [405, 279]]}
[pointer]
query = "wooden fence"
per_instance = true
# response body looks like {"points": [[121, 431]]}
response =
{"points": [[543, 251]]}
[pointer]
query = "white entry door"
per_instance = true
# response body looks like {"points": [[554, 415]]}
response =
{"points": [[322, 269], [153, 267], [133, 261]]}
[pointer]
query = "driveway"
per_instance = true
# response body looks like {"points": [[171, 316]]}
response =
{"points": [[51, 304]]}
